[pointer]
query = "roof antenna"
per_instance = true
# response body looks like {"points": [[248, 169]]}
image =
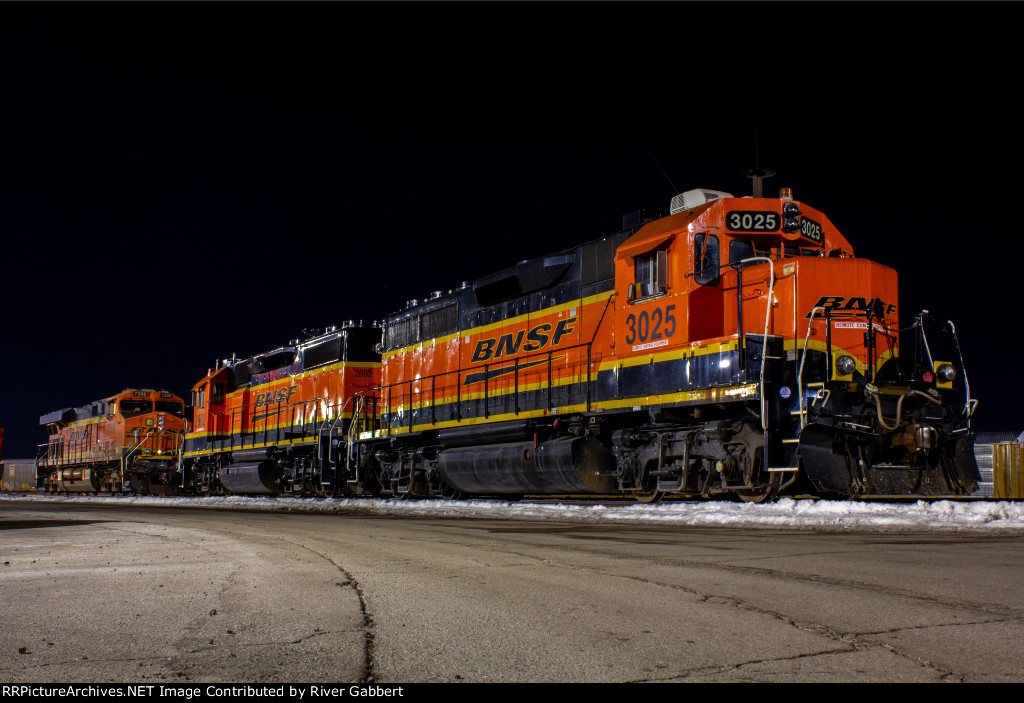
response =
{"points": [[674, 189], [757, 173]]}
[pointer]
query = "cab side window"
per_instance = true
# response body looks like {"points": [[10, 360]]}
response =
{"points": [[651, 273], [706, 259]]}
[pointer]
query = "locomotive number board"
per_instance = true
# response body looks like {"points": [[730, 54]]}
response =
{"points": [[810, 229], [752, 220]]}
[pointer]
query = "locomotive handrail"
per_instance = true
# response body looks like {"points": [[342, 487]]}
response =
{"points": [[767, 318], [589, 348], [969, 403], [486, 369], [919, 323], [740, 332], [738, 267], [351, 461], [800, 372], [549, 354], [126, 453], [330, 432], [181, 456], [311, 425]]}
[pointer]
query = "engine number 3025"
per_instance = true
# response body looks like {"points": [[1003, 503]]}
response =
{"points": [[650, 326], [752, 221]]}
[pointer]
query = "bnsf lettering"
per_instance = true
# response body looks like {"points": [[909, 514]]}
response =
{"points": [[847, 306], [79, 435], [537, 337], [509, 344], [483, 350], [278, 396], [505, 344]]}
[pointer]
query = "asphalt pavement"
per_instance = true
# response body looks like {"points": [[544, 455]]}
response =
{"points": [[139, 595]]}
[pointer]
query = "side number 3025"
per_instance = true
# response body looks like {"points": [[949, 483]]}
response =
{"points": [[650, 327]]}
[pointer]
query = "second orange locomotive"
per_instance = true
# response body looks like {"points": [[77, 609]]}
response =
{"points": [[278, 422]]}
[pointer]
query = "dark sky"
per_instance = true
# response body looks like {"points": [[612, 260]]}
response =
{"points": [[180, 182]]}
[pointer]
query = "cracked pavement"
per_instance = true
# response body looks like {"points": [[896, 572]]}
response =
{"points": [[133, 602], [136, 594]]}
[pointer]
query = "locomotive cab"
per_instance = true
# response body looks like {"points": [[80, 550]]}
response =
{"points": [[208, 401], [694, 259]]}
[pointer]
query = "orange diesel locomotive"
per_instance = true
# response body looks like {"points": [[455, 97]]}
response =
{"points": [[278, 422], [128, 442], [736, 346]]}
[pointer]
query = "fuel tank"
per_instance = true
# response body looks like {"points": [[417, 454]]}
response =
{"points": [[252, 479], [561, 465], [79, 480]]}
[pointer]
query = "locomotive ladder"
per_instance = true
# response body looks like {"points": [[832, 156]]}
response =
{"points": [[360, 420], [126, 455], [741, 334], [330, 431], [801, 412]]}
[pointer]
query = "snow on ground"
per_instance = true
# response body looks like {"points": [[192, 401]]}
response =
{"points": [[987, 517]]}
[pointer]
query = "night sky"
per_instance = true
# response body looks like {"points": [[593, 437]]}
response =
{"points": [[181, 182]]}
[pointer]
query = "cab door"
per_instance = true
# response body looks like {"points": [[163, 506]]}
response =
{"points": [[199, 406], [707, 299]]}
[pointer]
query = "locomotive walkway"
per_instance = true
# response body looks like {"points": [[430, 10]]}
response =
{"points": [[139, 595]]}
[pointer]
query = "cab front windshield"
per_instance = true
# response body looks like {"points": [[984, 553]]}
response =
{"points": [[134, 408], [167, 406]]}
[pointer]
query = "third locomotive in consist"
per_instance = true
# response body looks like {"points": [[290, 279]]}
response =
{"points": [[735, 347], [128, 442]]}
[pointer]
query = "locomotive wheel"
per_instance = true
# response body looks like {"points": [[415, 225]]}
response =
{"points": [[764, 493], [449, 493], [650, 496], [757, 496]]}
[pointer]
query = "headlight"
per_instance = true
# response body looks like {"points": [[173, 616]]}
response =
{"points": [[846, 365], [946, 373]]}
